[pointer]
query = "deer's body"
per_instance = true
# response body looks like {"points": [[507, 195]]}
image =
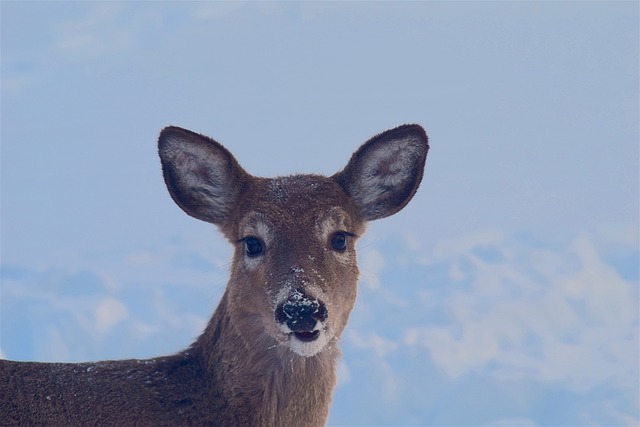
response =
{"points": [[269, 353]]}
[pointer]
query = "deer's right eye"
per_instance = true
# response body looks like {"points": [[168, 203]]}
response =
{"points": [[252, 246]]}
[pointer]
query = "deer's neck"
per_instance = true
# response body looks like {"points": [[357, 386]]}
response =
{"points": [[264, 382]]}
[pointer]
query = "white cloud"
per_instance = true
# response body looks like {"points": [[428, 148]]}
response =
{"points": [[57, 348], [547, 315], [110, 281], [453, 248], [83, 32], [381, 348], [371, 264], [344, 376], [141, 257], [109, 312]]}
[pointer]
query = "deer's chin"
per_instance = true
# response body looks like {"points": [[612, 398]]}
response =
{"points": [[305, 343], [308, 344]]}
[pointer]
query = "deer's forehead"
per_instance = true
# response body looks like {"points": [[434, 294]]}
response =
{"points": [[291, 190], [295, 201], [300, 194]]}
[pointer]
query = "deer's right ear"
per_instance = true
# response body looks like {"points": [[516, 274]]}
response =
{"points": [[202, 176]]}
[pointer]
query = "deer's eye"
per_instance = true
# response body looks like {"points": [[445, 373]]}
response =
{"points": [[252, 246], [339, 241]]}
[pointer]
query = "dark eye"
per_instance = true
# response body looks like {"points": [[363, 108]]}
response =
{"points": [[339, 241], [252, 246]]}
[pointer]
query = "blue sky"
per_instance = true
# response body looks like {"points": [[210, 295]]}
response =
{"points": [[506, 293]]}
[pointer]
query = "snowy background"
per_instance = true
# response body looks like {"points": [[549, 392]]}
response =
{"points": [[506, 293]]}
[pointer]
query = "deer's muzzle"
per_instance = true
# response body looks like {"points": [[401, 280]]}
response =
{"points": [[301, 314]]}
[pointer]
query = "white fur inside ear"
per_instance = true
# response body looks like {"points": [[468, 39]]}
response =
{"points": [[391, 164], [386, 169], [200, 175]]}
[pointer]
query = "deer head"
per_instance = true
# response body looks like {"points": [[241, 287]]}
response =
{"points": [[294, 272]]}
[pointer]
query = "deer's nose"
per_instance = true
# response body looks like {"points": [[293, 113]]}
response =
{"points": [[301, 312]]}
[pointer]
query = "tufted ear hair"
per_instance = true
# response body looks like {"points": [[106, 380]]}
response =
{"points": [[385, 172], [202, 176]]}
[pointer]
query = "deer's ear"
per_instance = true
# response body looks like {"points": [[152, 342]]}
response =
{"points": [[384, 174], [203, 178]]}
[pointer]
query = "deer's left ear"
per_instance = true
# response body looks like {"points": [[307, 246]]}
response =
{"points": [[385, 172]]}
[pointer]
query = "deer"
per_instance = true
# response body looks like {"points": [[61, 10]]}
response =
{"points": [[268, 356]]}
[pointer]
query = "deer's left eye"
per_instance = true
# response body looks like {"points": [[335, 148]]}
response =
{"points": [[339, 241]]}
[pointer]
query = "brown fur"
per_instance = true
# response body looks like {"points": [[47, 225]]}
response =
{"points": [[243, 369]]}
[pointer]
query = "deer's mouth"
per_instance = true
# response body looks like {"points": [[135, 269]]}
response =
{"points": [[307, 343], [307, 336]]}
